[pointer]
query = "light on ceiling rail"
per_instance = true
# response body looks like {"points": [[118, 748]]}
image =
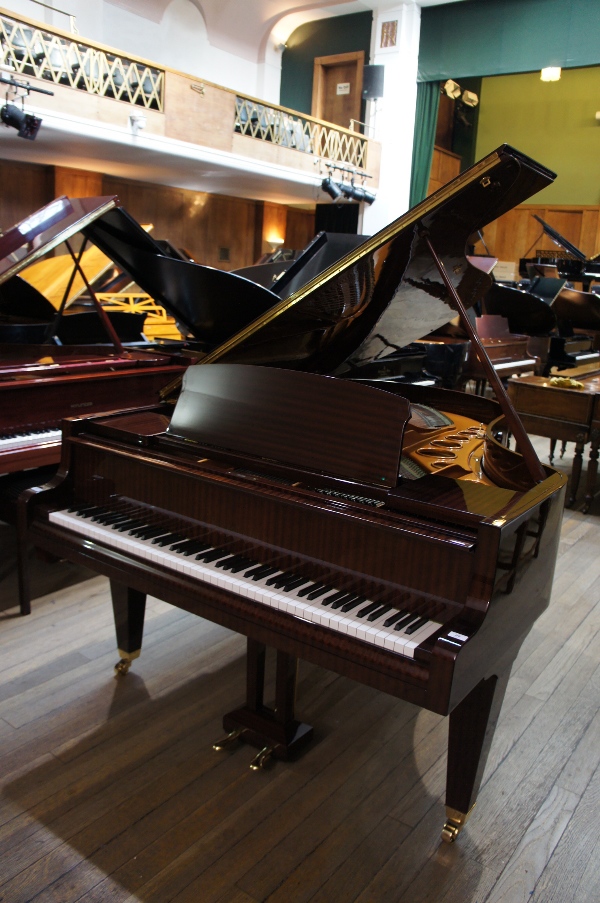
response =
{"points": [[550, 74], [349, 190], [27, 124], [454, 91]]}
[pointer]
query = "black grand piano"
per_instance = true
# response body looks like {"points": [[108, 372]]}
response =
{"points": [[570, 261], [385, 532]]}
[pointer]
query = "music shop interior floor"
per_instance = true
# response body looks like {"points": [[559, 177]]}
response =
{"points": [[111, 790]]}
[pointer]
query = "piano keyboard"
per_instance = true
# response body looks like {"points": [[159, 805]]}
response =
{"points": [[28, 440], [507, 365], [346, 612]]}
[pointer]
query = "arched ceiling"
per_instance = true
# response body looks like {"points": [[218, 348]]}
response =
{"points": [[242, 27]]}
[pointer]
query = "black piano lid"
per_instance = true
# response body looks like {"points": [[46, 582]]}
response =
{"points": [[212, 304], [44, 230], [387, 291]]}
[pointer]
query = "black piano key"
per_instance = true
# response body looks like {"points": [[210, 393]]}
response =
{"points": [[130, 524], [353, 603], [299, 581], [311, 588], [109, 520], [242, 565], [278, 580], [168, 539], [102, 513], [211, 555], [334, 597], [315, 593], [416, 625], [228, 564], [368, 609], [189, 546], [79, 509], [341, 600], [400, 625], [91, 510], [149, 532], [261, 571], [380, 611], [395, 617]]}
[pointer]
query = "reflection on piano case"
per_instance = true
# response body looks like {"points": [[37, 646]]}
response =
{"points": [[382, 531]]}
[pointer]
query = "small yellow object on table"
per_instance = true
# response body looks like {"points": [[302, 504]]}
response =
{"points": [[565, 382]]}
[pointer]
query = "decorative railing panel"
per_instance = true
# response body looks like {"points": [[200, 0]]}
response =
{"points": [[39, 53], [280, 126]]}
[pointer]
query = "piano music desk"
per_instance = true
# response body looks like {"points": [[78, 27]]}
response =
{"points": [[571, 415]]}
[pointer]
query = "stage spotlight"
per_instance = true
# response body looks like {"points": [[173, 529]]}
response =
{"points": [[356, 192], [331, 188], [452, 89], [470, 99], [27, 124]]}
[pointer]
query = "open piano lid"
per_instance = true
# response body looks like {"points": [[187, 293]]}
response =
{"points": [[192, 293], [388, 291], [44, 230]]}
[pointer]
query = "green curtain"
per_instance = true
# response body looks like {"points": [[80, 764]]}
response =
{"points": [[428, 101]]}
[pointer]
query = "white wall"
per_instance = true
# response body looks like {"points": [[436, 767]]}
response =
{"points": [[171, 34]]}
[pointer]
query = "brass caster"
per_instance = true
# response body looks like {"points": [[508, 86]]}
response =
{"points": [[229, 740], [263, 757], [122, 667], [455, 822]]}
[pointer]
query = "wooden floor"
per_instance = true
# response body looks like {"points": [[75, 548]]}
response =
{"points": [[111, 791]]}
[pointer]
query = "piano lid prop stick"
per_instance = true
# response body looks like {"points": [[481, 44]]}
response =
{"points": [[536, 471], [114, 338]]}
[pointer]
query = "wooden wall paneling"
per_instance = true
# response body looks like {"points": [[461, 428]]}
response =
{"points": [[231, 232], [445, 166], [299, 227], [274, 225], [77, 183], [517, 234], [25, 188]]}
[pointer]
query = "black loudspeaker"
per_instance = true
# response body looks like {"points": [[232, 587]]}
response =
{"points": [[372, 82]]}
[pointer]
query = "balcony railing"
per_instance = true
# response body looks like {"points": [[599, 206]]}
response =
{"points": [[27, 50], [302, 133]]}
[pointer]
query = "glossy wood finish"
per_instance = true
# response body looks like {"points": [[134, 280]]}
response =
{"points": [[389, 553], [568, 415]]}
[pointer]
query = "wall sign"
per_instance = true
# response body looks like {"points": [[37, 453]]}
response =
{"points": [[343, 88]]}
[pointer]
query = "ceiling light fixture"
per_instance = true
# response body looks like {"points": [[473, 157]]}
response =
{"points": [[452, 89], [27, 124], [550, 74]]}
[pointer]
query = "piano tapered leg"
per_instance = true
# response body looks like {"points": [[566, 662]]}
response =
{"points": [[576, 469], [472, 725], [129, 608], [275, 731], [592, 471]]}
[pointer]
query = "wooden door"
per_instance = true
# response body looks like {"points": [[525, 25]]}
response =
{"points": [[337, 87]]}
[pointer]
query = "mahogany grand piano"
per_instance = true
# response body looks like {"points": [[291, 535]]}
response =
{"points": [[384, 532]]}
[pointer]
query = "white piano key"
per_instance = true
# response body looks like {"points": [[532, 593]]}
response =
{"points": [[259, 591]]}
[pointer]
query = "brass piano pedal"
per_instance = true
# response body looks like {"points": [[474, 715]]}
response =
{"points": [[262, 759], [228, 740], [455, 822]]}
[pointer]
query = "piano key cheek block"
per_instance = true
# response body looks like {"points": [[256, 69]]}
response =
{"points": [[385, 532]]}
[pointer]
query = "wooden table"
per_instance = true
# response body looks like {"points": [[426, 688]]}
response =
{"points": [[569, 415]]}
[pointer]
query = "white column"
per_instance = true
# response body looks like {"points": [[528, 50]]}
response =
{"points": [[393, 116]]}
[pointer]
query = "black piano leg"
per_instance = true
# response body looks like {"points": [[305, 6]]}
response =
{"points": [[274, 731], [592, 471], [472, 725], [129, 607]]}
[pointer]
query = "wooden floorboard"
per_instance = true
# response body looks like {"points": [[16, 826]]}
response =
{"points": [[111, 792]]}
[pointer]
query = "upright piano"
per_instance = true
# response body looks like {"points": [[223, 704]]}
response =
{"points": [[384, 532]]}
